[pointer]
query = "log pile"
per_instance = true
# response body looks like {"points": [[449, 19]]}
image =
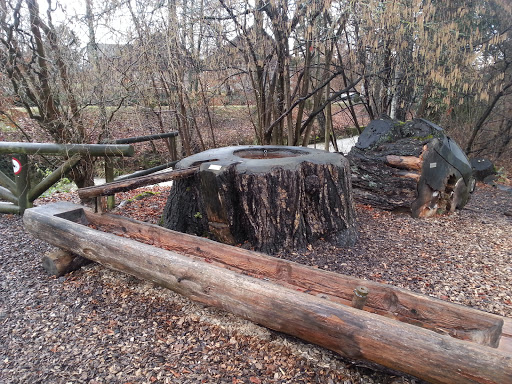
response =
{"points": [[269, 197], [412, 167]]}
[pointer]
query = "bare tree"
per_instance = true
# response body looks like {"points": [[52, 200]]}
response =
{"points": [[37, 64]]}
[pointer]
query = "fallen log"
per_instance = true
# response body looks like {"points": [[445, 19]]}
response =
{"points": [[428, 338], [137, 182], [410, 166]]}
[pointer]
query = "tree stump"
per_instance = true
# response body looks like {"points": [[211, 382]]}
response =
{"points": [[411, 167], [270, 197]]}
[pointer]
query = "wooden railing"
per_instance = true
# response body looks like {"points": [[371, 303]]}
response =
{"points": [[19, 195]]}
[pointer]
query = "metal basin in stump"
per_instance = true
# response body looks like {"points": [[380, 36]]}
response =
{"points": [[269, 197]]}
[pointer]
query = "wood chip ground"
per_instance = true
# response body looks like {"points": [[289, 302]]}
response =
{"points": [[99, 326]]}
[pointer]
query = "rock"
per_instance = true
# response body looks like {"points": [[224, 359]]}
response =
{"points": [[482, 168]]}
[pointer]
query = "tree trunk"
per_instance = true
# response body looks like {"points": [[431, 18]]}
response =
{"points": [[270, 197], [412, 167]]}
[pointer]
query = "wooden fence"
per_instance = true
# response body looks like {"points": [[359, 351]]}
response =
{"points": [[18, 193]]}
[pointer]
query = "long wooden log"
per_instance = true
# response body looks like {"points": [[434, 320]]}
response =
{"points": [[137, 182], [351, 332], [139, 139], [460, 322], [66, 149]]}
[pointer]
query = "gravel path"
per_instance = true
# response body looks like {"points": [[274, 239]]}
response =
{"points": [[99, 326]]}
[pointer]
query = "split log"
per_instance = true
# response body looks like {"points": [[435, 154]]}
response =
{"points": [[410, 166], [284, 307], [271, 197], [60, 262]]}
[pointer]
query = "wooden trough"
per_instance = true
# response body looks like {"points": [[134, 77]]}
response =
{"points": [[433, 340]]}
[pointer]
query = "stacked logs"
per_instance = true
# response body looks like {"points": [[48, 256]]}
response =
{"points": [[412, 167]]}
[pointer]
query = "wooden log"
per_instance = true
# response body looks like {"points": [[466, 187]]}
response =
{"points": [[139, 139], [402, 305], [353, 333], [127, 185], [60, 262], [109, 178], [405, 162], [66, 149]]}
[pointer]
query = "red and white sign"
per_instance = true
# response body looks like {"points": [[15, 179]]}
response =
{"points": [[16, 165]]}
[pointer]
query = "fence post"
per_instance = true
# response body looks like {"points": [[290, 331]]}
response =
{"points": [[109, 177], [173, 148], [22, 178]]}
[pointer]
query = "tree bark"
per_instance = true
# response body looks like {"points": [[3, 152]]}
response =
{"points": [[272, 198]]}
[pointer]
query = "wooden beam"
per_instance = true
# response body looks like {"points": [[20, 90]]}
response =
{"points": [[127, 185], [139, 139], [350, 332], [109, 177], [52, 178], [66, 149]]}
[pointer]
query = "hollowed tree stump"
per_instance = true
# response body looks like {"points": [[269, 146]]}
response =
{"points": [[271, 197]]}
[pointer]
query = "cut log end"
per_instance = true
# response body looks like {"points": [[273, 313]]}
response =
{"points": [[60, 262]]}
